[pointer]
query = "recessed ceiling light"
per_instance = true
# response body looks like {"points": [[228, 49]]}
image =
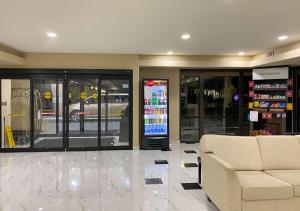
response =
{"points": [[170, 52], [52, 34], [282, 37], [242, 53], [185, 36]]}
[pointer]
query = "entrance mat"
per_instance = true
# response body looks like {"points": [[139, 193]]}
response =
{"points": [[191, 186], [74, 142], [153, 181], [190, 151], [161, 162], [190, 142], [190, 165]]}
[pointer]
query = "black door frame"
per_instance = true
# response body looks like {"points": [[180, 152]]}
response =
{"points": [[67, 112], [63, 74], [201, 72], [45, 77]]}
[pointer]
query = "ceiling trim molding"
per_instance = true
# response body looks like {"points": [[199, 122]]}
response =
{"points": [[10, 59], [195, 61]]}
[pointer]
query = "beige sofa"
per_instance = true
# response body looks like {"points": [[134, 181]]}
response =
{"points": [[252, 173]]}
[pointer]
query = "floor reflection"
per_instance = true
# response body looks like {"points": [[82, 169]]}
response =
{"points": [[106, 180]]}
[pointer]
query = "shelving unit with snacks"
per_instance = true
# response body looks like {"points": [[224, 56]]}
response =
{"points": [[271, 103]]}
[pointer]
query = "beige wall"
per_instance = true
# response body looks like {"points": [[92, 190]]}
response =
{"points": [[173, 75]]}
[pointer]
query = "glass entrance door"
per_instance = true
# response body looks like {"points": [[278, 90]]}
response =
{"points": [[47, 118], [211, 103], [66, 112], [189, 100], [219, 108], [82, 112], [115, 112]]}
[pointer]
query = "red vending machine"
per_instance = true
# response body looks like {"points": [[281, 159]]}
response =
{"points": [[155, 116]]}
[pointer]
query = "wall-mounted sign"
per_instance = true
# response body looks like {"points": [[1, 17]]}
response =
{"points": [[251, 84], [289, 106], [270, 73], [95, 95], [264, 115], [269, 115], [47, 95], [289, 93], [253, 116], [251, 94], [250, 105], [235, 98], [289, 82], [83, 95]]}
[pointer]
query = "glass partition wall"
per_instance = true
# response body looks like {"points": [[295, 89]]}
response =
{"points": [[66, 112], [212, 103], [15, 114]]}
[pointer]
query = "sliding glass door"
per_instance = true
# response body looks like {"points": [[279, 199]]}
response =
{"points": [[189, 110], [115, 112], [82, 110], [219, 106], [66, 112], [47, 118], [212, 103]]}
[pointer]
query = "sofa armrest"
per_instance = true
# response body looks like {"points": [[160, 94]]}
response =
{"points": [[220, 182]]}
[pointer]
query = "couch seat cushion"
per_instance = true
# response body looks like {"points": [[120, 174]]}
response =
{"points": [[290, 176], [257, 185]]}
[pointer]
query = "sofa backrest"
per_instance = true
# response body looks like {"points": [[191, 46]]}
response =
{"points": [[279, 152], [242, 152]]}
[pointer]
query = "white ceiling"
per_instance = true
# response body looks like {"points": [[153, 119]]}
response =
{"points": [[148, 26]]}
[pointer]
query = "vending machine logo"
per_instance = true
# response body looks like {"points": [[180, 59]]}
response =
{"points": [[149, 83]]}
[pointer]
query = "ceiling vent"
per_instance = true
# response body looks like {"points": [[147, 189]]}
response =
{"points": [[270, 53]]}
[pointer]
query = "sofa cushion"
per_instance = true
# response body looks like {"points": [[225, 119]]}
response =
{"points": [[257, 185], [240, 151], [290, 176], [280, 152]]}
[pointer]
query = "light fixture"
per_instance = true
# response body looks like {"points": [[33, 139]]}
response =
{"points": [[170, 52], [185, 36], [282, 37], [242, 53], [51, 34]]}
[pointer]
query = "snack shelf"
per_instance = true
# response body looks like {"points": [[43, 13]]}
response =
{"points": [[273, 100], [270, 89]]}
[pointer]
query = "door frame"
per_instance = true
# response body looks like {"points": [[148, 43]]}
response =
{"points": [[130, 101], [45, 77], [67, 112], [31, 74], [210, 73]]}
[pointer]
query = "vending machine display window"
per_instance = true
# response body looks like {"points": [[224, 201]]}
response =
{"points": [[155, 114]]}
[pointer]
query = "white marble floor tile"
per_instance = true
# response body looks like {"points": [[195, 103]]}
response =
{"points": [[104, 180]]}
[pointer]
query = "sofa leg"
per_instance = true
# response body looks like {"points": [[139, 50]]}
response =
{"points": [[207, 197]]}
